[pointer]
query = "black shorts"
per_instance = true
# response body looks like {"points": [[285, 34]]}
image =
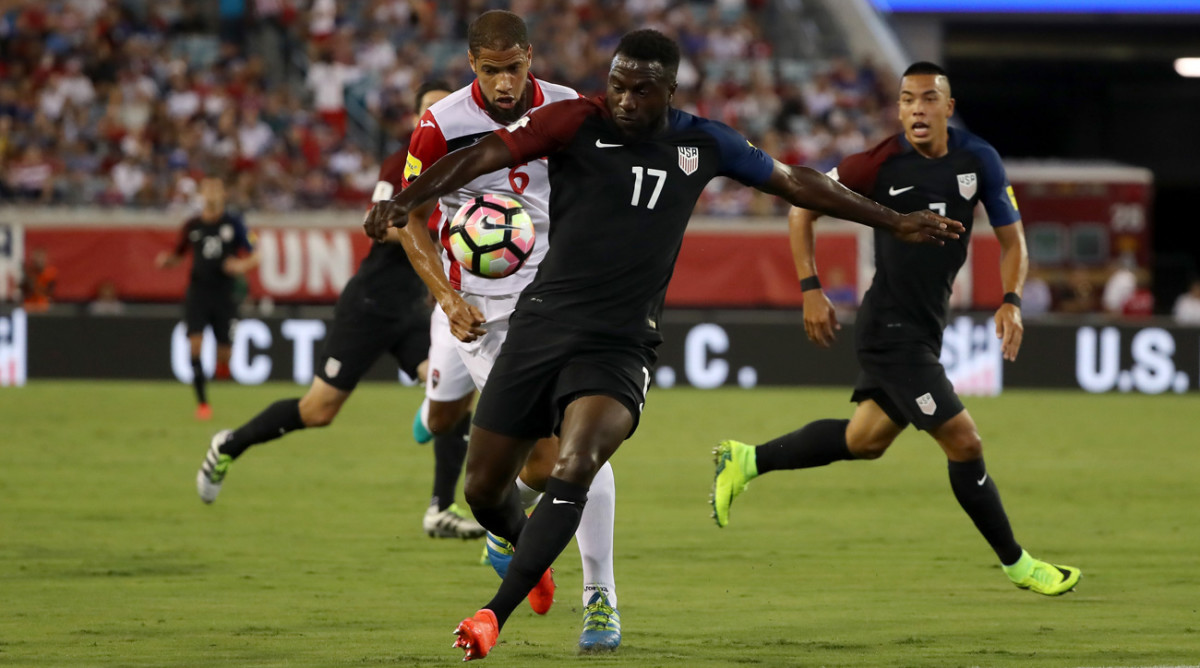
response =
{"points": [[360, 336], [210, 308], [544, 365], [909, 384]]}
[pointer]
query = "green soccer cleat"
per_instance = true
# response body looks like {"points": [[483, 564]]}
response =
{"points": [[1041, 576], [735, 468]]}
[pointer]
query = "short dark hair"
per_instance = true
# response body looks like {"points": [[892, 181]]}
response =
{"points": [[651, 45], [497, 29], [428, 87], [925, 67]]}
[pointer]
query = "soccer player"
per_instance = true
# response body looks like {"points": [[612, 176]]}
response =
{"points": [[899, 328], [381, 310], [221, 251], [626, 171], [472, 323]]}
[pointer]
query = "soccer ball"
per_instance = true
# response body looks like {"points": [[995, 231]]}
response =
{"points": [[491, 236]]}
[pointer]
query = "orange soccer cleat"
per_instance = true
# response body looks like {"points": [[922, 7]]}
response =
{"points": [[203, 412], [542, 596], [477, 635]]}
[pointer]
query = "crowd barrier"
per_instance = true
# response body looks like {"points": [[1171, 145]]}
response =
{"points": [[704, 349]]}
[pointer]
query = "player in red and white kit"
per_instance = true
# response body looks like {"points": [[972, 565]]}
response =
{"points": [[471, 322]]}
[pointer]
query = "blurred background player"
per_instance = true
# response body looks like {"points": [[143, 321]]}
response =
{"points": [[221, 253], [582, 340], [381, 310], [929, 166], [471, 322]]}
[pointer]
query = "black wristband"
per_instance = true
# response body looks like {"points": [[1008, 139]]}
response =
{"points": [[1012, 298], [810, 283]]}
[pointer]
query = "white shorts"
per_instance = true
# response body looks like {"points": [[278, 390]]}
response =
{"points": [[447, 378], [480, 354]]}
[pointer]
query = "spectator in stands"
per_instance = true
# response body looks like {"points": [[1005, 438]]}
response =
{"points": [[1121, 285], [254, 137], [37, 282], [327, 79], [1036, 298], [1079, 295], [106, 302], [1187, 306], [31, 177]]}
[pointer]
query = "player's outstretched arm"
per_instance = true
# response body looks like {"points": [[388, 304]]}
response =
{"points": [[1014, 263], [465, 320], [820, 318], [810, 189], [239, 266], [448, 174]]}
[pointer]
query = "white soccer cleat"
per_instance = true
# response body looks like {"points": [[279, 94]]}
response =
{"points": [[449, 523], [213, 468]]}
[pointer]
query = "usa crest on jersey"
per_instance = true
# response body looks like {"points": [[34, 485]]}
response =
{"points": [[967, 185], [689, 159]]}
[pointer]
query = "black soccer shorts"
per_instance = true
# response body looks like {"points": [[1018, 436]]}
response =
{"points": [[359, 336], [910, 385], [544, 365], [210, 308]]}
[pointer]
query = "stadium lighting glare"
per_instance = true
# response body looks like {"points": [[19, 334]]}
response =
{"points": [[1188, 67]]}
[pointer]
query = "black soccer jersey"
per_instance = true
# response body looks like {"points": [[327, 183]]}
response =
{"points": [[910, 294], [211, 243], [386, 283], [619, 207]]}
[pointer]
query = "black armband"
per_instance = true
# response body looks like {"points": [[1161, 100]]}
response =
{"points": [[1012, 298], [810, 283]]}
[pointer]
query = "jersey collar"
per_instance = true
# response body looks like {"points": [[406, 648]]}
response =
{"points": [[538, 96]]}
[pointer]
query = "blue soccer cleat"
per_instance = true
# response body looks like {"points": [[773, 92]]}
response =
{"points": [[499, 554], [601, 626]]}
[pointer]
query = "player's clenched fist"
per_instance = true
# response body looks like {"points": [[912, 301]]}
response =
{"points": [[927, 227], [383, 215]]}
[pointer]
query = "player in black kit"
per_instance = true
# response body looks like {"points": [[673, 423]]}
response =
{"points": [[383, 309], [899, 328], [625, 173], [221, 251]]}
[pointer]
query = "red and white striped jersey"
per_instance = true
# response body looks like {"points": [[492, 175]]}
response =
{"points": [[458, 120]]}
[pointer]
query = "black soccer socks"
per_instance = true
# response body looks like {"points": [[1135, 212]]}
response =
{"points": [[276, 420], [977, 495], [545, 536], [198, 381], [449, 451], [815, 444]]}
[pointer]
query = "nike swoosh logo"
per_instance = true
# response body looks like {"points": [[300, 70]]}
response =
{"points": [[600, 144], [981, 480], [561, 501], [488, 225], [427, 124], [896, 191]]}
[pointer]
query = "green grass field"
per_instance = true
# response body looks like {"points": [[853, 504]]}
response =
{"points": [[314, 556]]}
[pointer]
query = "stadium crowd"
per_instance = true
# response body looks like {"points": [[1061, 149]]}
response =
{"points": [[127, 102]]}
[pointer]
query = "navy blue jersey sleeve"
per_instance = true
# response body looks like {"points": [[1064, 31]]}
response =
{"points": [[241, 238], [740, 160], [996, 192]]}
